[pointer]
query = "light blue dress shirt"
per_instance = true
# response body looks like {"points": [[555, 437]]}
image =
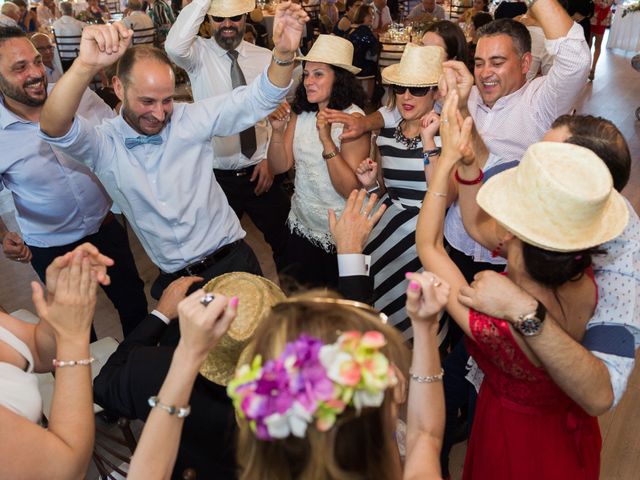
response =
{"points": [[168, 192], [58, 200]]}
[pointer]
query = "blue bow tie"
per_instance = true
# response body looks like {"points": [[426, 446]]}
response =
{"points": [[142, 139]]}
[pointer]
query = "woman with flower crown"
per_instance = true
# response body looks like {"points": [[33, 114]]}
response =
{"points": [[319, 390]]}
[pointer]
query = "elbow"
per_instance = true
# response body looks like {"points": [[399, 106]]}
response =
{"points": [[600, 404]]}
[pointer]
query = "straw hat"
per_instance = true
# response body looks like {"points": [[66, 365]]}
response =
{"points": [[559, 198], [230, 8], [420, 66], [256, 295], [333, 50]]}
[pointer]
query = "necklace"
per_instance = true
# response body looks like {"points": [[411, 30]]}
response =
{"points": [[410, 143]]}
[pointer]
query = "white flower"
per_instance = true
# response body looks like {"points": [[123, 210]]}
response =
{"points": [[332, 358], [364, 398], [293, 422]]}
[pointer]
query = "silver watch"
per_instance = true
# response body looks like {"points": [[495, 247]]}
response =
{"points": [[530, 324]]}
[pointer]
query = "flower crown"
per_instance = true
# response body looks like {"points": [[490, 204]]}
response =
{"points": [[312, 382]]}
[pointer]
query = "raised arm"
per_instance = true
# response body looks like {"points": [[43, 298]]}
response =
{"points": [[100, 46], [554, 20], [179, 44]]}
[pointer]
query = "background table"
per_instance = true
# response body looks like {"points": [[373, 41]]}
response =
{"points": [[625, 32]]}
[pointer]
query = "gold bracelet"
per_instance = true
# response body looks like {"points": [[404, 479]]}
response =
{"points": [[427, 379]]}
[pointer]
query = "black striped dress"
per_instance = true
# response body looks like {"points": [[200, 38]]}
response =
{"points": [[392, 244]]}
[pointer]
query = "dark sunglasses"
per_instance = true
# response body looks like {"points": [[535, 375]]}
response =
{"points": [[235, 18], [414, 91]]}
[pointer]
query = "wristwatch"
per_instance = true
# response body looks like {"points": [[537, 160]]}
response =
{"points": [[530, 324]]}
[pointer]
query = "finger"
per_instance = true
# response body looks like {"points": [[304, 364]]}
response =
{"points": [[350, 206], [37, 296], [375, 218], [98, 38], [85, 278], [370, 203], [465, 300], [224, 322], [114, 38], [74, 273]]}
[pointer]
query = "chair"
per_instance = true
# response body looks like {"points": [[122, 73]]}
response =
{"points": [[390, 53], [68, 48], [144, 36], [113, 6]]}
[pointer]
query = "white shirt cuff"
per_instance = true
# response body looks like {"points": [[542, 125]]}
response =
{"points": [[353, 264], [161, 316]]}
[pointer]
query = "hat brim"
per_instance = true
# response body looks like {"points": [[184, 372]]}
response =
{"points": [[391, 76], [348, 68], [501, 198], [231, 10]]}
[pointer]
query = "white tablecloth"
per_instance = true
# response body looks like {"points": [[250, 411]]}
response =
{"points": [[625, 32]]}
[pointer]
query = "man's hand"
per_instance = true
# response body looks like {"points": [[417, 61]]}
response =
{"points": [[495, 295], [263, 176], [15, 249], [456, 76], [354, 126], [287, 27], [102, 45], [352, 230], [175, 292]]}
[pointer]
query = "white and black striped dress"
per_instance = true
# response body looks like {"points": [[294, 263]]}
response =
{"points": [[392, 244]]}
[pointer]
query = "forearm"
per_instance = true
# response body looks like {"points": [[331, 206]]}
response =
{"points": [[429, 230], [553, 19], [156, 452], [183, 33], [61, 106], [280, 75], [373, 121], [277, 157], [581, 375], [343, 178], [476, 222]]}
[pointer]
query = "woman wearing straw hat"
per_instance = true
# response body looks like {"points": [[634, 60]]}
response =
{"points": [[325, 166], [406, 155], [547, 216]]}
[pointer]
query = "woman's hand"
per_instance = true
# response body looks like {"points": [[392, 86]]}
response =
{"points": [[280, 117], [426, 296], [69, 310], [202, 326], [455, 133], [429, 126], [367, 173], [324, 127]]}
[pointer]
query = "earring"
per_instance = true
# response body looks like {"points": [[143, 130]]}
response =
{"points": [[496, 251]]}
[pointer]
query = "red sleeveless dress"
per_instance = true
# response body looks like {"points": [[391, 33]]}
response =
{"points": [[525, 427]]}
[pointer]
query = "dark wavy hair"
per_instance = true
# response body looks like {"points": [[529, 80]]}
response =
{"points": [[453, 38], [346, 90], [554, 269]]}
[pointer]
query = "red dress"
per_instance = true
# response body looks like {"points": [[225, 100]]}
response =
{"points": [[525, 427]]}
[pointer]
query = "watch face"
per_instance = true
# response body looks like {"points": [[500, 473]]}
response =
{"points": [[529, 326]]}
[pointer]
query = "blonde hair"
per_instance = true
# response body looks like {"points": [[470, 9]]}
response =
{"points": [[357, 447]]}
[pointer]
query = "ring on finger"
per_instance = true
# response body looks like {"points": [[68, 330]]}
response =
{"points": [[437, 283], [207, 299]]}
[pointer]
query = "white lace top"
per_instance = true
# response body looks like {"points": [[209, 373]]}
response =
{"points": [[314, 192], [18, 388]]}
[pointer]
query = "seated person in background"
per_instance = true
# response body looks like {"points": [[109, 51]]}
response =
{"points": [[60, 342], [315, 433], [136, 19], [250, 34], [328, 8], [28, 21], [478, 21], [96, 11], [46, 49], [344, 24], [381, 17], [67, 26], [9, 15], [365, 43], [477, 7], [163, 18], [426, 10]]}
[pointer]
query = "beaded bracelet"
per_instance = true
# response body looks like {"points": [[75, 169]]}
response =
{"points": [[429, 378], [180, 412], [437, 194], [475, 181], [71, 363]]}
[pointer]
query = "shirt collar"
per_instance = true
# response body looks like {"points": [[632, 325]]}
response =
{"points": [[8, 118], [127, 131]]}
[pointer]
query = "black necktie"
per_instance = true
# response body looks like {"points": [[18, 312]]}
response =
{"points": [[248, 136]]}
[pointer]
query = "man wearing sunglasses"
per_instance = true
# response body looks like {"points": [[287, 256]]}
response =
{"points": [[214, 67]]}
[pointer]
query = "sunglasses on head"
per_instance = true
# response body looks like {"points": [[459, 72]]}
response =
{"points": [[235, 18], [414, 91]]}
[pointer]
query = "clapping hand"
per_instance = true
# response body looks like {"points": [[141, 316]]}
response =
{"points": [[455, 133], [288, 25], [352, 230], [103, 45], [427, 295]]}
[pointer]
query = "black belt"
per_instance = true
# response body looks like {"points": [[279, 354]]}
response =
{"points": [[201, 265], [242, 172]]}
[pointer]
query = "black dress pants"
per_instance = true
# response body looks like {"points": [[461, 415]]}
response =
{"points": [[126, 290]]}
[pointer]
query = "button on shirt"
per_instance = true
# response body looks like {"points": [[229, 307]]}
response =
{"points": [[168, 192], [209, 67], [58, 200]]}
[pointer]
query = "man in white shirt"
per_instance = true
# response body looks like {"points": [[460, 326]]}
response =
{"points": [[136, 19], [427, 8], [9, 15], [381, 16], [67, 26], [155, 157], [45, 48], [243, 174]]}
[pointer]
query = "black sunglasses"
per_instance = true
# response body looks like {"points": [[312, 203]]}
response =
{"points": [[414, 91], [235, 18]]}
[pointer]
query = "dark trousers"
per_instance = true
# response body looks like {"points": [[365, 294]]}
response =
{"points": [[458, 392], [126, 290], [268, 211], [308, 265]]}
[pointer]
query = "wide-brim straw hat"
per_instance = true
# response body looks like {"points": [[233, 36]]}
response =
{"points": [[256, 296], [420, 66], [230, 8], [333, 50], [559, 198]]}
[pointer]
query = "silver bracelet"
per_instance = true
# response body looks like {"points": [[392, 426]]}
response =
{"points": [[181, 412], [282, 63], [437, 194], [427, 379]]}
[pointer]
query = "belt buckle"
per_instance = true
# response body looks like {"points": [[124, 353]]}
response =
{"points": [[194, 269], [242, 172]]}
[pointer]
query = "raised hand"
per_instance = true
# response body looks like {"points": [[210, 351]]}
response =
{"points": [[353, 123], [15, 249], [455, 133], [367, 173], [280, 116], [456, 76], [98, 262], [288, 26], [102, 45], [427, 295], [69, 310], [352, 230], [323, 126], [202, 326], [429, 126]]}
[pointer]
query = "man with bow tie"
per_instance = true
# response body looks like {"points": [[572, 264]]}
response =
{"points": [[154, 159]]}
